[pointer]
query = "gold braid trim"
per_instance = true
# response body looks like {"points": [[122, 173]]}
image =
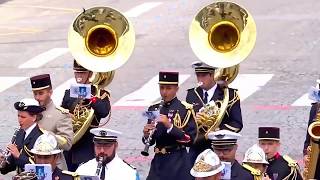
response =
{"points": [[293, 168], [177, 119], [29, 153], [256, 173], [232, 101], [195, 91]]}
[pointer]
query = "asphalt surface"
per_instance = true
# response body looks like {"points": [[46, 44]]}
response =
{"points": [[287, 47]]}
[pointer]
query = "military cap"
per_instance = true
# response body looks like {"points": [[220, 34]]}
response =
{"points": [[207, 164], [201, 67], [169, 78], [78, 67], [40, 82], [29, 105], [104, 135], [223, 139], [269, 133]]}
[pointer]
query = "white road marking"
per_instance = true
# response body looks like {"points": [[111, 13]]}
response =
{"points": [[247, 84], [7, 82], [147, 94], [43, 58], [302, 101], [142, 8], [58, 92]]}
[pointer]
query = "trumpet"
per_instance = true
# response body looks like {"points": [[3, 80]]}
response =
{"points": [[145, 151], [6, 152], [99, 167]]}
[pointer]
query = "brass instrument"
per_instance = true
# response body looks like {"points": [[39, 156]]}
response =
{"points": [[100, 39], [6, 153], [221, 35], [145, 151], [99, 166], [25, 176], [313, 149]]}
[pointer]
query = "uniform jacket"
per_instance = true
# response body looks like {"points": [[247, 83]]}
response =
{"points": [[278, 169], [58, 174], [24, 144], [59, 124], [240, 173], [115, 170], [176, 164], [85, 144]]}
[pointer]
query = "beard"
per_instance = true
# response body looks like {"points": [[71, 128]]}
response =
{"points": [[106, 158]]}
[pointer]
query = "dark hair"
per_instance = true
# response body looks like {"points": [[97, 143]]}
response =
{"points": [[39, 116]]}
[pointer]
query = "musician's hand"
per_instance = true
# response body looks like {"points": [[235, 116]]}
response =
{"points": [[13, 149], [147, 128], [266, 177], [165, 120]]}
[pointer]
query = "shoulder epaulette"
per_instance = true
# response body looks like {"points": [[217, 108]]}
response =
{"points": [[187, 105], [129, 165], [73, 174], [62, 110], [290, 161], [252, 170]]}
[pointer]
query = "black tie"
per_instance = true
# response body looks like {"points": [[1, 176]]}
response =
{"points": [[103, 172], [205, 98]]}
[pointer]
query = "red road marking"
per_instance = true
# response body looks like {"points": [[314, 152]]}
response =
{"points": [[272, 107]]}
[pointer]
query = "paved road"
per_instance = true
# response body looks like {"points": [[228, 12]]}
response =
{"points": [[273, 80]]}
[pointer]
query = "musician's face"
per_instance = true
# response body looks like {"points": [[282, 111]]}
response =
{"points": [[214, 177], [168, 92], [206, 79], [49, 159], [270, 147], [107, 151], [25, 119], [228, 154], [43, 96], [82, 77]]}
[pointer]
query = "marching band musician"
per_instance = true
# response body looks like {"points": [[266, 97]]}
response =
{"points": [[46, 151], [101, 106], [53, 120], [175, 129], [224, 144], [106, 164], [29, 112], [280, 167], [207, 91], [315, 108], [255, 161]]}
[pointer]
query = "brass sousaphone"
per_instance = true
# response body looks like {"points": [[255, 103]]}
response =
{"points": [[100, 39], [222, 35]]}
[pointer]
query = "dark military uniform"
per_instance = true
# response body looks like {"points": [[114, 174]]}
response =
{"points": [[83, 150], [58, 174], [171, 160], [24, 146], [238, 172], [313, 112], [174, 164], [232, 119], [279, 168]]}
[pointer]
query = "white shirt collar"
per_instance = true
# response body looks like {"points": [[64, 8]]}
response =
{"points": [[29, 129], [210, 91]]}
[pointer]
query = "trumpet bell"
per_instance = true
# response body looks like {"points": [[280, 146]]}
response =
{"points": [[222, 34], [101, 39]]}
